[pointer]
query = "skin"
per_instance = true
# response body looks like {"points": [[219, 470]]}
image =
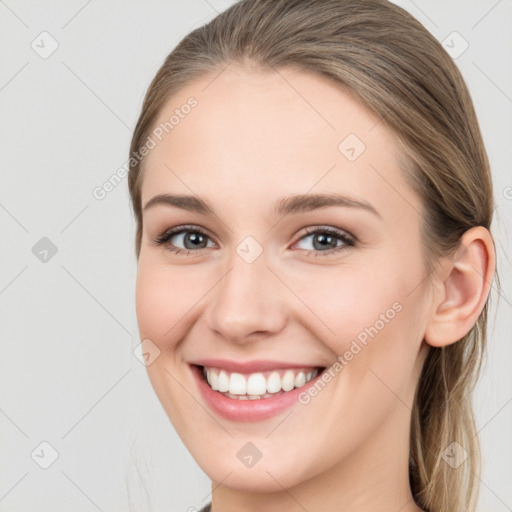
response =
{"points": [[256, 137]]}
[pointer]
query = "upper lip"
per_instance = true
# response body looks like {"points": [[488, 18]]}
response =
{"points": [[259, 365]]}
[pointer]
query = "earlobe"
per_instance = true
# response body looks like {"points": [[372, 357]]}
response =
{"points": [[463, 290]]}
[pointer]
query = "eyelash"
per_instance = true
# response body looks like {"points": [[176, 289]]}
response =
{"points": [[348, 240]]}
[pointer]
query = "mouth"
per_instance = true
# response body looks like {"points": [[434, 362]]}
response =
{"points": [[260, 385]]}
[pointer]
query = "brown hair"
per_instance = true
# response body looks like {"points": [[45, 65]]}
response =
{"points": [[387, 59]]}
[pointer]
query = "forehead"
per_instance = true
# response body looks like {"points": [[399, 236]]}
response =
{"points": [[264, 134]]}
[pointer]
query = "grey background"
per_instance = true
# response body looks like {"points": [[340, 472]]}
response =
{"points": [[68, 373]]}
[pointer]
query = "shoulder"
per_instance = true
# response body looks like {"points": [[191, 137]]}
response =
{"points": [[207, 508]]}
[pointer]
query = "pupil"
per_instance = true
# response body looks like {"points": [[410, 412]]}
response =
{"points": [[324, 238], [194, 238]]}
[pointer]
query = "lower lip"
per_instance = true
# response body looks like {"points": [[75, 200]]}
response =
{"points": [[247, 410]]}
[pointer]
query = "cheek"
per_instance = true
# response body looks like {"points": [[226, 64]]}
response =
{"points": [[372, 315], [164, 298], [347, 300]]}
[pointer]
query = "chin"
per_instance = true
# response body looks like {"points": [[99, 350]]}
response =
{"points": [[258, 479]]}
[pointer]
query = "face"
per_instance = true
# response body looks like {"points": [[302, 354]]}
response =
{"points": [[293, 273]]}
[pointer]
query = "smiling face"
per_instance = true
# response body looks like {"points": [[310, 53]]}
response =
{"points": [[282, 284]]}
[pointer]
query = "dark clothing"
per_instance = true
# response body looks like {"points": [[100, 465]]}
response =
{"points": [[207, 508]]}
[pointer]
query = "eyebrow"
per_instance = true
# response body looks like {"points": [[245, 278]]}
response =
{"points": [[284, 206]]}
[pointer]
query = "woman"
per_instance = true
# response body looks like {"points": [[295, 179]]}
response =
{"points": [[313, 202]]}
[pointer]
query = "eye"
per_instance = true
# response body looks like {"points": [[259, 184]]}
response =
{"points": [[325, 240], [193, 239]]}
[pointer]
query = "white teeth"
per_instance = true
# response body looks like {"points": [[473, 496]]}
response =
{"points": [[237, 384], [255, 385], [214, 380], [223, 382], [274, 383], [300, 380], [288, 381]]}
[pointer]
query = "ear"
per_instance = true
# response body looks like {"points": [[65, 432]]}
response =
{"points": [[462, 288]]}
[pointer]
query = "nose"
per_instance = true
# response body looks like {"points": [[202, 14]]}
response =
{"points": [[247, 304]]}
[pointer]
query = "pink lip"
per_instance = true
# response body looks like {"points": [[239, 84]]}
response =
{"points": [[246, 410], [250, 366]]}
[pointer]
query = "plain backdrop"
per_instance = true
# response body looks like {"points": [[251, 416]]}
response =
{"points": [[73, 395]]}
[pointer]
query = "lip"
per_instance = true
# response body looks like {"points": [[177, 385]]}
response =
{"points": [[249, 366], [247, 410]]}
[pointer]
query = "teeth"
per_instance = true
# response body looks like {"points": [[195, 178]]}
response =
{"points": [[214, 381], [257, 385], [274, 382], [288, 381], [223, 382], [300, 380], [237, 384]]}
